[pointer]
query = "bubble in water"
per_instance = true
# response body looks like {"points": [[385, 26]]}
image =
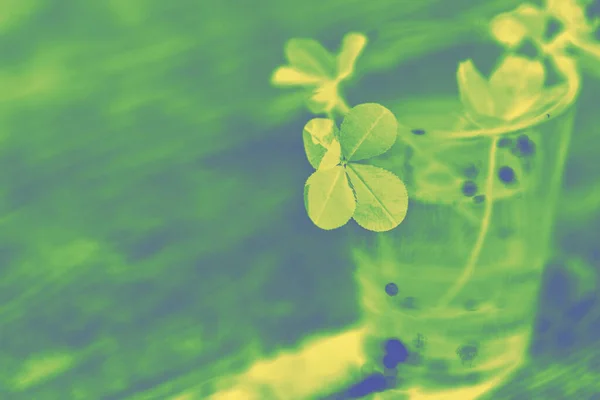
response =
{"points": [[396, 350], [506, 174], [469, 188], [525, 146], [391, 289]]}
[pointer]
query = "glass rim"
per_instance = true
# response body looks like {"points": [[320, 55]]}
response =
{"points": [[572, 82]]}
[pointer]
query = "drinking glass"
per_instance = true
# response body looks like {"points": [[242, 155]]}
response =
{"points": [[468, 259]]}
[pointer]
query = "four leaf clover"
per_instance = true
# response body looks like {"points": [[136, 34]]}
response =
{"points": [[341, 188], [313, 67]]}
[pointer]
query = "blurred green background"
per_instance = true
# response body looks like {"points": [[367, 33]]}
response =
{"points": [[153, 232]]}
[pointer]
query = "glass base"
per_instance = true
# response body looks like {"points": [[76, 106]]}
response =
{"points": [[478, 391]]}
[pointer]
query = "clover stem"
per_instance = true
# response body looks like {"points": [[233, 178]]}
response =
{"points": [[481, 236], [588, 47], [558, 44], [342, 106], [562, 41]]}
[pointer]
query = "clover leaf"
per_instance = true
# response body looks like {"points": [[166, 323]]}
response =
{"points": [[309, 64], [512, 91], [516, 85], [474, 90], [340, 189], [310, 57], [314, 68], [328, 198], [526, 21], [368, 130], [352, 45], [333, 156], [381, 197], [318, 136]]}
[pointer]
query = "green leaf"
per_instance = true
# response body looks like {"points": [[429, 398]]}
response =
{"points": [[474, 90], [290, 76], [516, 85], [317, 135], [550, 96], [382, 199], [333, 157], [328, 198], [309, 57], [508, 30], [527, 20], [368, 130], [352, 45], [533, 19]]}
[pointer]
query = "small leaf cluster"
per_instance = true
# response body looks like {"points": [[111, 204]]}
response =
{"points": [[342, 187], [514, 91], [314, 68], [530, 21]]}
